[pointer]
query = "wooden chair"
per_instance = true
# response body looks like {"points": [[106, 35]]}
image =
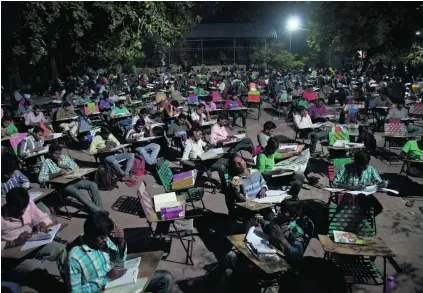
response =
{"points": [[192, 194], [352, 214], [407, 163], [395, 134], [147, 205]]}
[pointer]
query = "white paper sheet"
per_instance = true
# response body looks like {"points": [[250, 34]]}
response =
{"points": [[137, 287], [260, 245], [130, 277], [272, 199], [316, 125], [77, 174], [292, 147], [32, 244], [165, 200], [34, 195]]}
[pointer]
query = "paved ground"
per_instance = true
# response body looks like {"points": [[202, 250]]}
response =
{"points": [[399, 226]]}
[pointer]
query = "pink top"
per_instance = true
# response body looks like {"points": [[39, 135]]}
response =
{"points": [[218, 133], [11, 228], [310, 96], [230, 104], [212, 105]]}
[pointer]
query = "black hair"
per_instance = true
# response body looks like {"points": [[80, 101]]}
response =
{"points": [[174, 103], [104, 130], [361, 158], [37, 129], [269, 125], [120, 102], [66, 104], [182, 116], [300, 108], [140, 122], [143, 111], [289, 90], [36, 107], [6, 118], [98, 224], [221, 118], [18, 198], [272, 146], [8, 164], [54, 148], [201, 106], [27, 103], [194, 129]]}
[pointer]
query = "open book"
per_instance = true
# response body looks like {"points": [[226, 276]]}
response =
{"points": [[211, 154], [130, 277], [41, 238], [258, 243], [273, 196], [347, 238]]}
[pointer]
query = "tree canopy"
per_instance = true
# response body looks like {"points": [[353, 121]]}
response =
{"points": [[276, 56]]}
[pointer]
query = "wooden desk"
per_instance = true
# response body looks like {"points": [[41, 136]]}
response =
{"points": [[269, 267], [45, 192], [16, 253], [66, 119], [152, 217], [148, 266], [63, 180], [120, 116], [254, 206]]}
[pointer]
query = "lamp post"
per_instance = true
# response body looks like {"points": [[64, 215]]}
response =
{"points": [[293, 24]]}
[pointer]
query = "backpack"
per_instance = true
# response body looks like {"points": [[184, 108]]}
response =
{"points": [[105, 177], [368, 139], [138, 166], [338, 133]]}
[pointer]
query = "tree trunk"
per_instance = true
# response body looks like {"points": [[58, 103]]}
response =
{"points": [[53, 68]]}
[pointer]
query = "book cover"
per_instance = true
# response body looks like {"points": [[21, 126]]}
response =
{"points": [[347, 238], [185, 183], [184, 175]]}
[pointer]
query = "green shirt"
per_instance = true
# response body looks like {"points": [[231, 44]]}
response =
{"points": [[303, 103], [267, 163], [11, 128], [412, 149]]}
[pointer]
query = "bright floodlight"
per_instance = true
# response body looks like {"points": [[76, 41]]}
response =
{"points": [[418, 33], [293, 23]]}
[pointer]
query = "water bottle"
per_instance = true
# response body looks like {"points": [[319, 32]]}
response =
{"points": [[390, 285], [53, 215]]}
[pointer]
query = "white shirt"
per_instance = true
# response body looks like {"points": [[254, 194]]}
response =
{"points": [[193, 149], [222, 86], [302, 122], [196, 117]]}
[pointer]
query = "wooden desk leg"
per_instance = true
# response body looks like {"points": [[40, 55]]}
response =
{"points": [[395, 265], [384, 274]]}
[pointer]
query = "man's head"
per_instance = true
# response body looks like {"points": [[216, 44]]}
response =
{"points": [[361, 160], [174, 103], [269, 128], [143, 113], [97, 228], [8, 166], [36, 110], [27, 104], [319, 103], [17, 200], [196, 134], [181, 119], [55, 151], [139, 125], [221, 120], [67, 105], [310, 88], [38, 133], [303, 112], [272, 146], [200, 108], [6, 121], [120, 104], [238, 165], [105, 133]]}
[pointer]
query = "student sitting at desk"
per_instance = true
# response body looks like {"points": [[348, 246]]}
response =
{"points": [[172, 109], [93, 260], [66, 112], [199, 116], [303, 121], [24, 109], [195, 146], [104, 143], [317, 110], [35, 117], [379, 102], [210, 105], [199, 91], [179, 128], [149, 151], [268, 132], [413, 150], [266, 163], [58, 165], [84, 98], [400, 112], [220, 135], [234, 103], [310, 95], [143, 114], [7, 126], [32, 143], [297, 91], [120, 110], [20, 218]]}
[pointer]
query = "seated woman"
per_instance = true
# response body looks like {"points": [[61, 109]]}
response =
{"points": [[234, 103], [121, 110], [104, 143], [303, 122], [7, 126], [317, 110], [310, 95], [84, 97], [210, 105], [149, 151], [413, 150], [266, 163], [70, 126]]}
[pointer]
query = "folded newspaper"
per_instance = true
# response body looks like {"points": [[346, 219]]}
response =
{"points": [[296, 163]]}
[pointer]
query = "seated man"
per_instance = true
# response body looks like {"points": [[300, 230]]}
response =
{"points": [[199, 116], [104, 143], [20, 217], [58, 165], [317, 111], [210, 105], [266, 163], [143, 114], [32, 143], [268, 132], [195, 146], [219, 135], [24, 109], [71, 127], [400, 112], [303, 122], [297, 92], [413, 150], [234, 103], [172, 109], [120, 110], [7, 126], [149, 151], [180, 128], [96, 258], [35, 118]]}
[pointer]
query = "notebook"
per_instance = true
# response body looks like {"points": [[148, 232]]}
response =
{"points": [[165, 200], [347, 238], [130, 277], [258, 243], [184, 175], [273, 196], [40, 242]]}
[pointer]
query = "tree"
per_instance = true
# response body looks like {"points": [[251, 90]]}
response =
{"points": [[416, 55], [276, 56], [347, 27]]}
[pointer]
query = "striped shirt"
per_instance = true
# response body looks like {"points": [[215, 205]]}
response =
{"points": [[17, 180], [253, 184], [49, 167], [86, 268], [348, 175], [28, 144]]}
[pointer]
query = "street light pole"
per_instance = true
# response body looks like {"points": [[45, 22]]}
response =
{"points": [[290, 41]]}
